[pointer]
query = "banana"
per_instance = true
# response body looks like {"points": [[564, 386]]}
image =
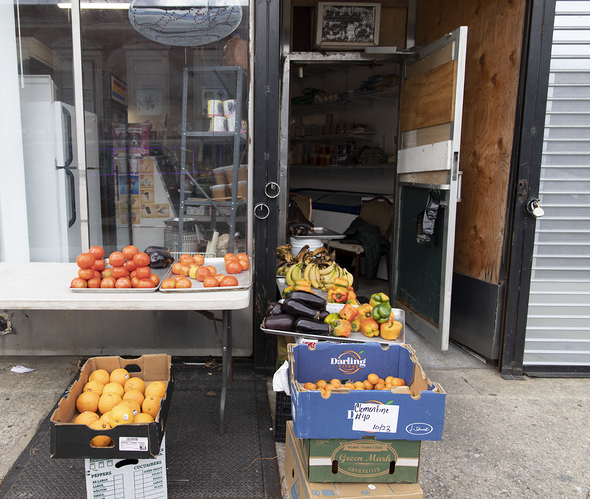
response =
{"points": [[348, 276], [315, 282], [296, 274], [306, 272], [329, 279], [289, 276], [328, 269]]}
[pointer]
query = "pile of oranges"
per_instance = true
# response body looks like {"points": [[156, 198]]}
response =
{"points": [[373, 382], [111, 399], [194, 267], [128, 268]]}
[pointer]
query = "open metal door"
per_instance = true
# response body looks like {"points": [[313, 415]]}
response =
{"points": [[431, 107]]}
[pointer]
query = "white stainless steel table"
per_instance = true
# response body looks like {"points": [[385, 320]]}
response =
{"points": [[22, 288]]}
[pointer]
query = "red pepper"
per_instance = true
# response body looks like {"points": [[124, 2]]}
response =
{"points": [[348, 312], [370, 327], [341, 328], [340, 295]]}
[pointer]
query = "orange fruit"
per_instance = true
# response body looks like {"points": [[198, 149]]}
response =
{"points": [[155, 388], [359, 385], [398, 382], [379, 386], [120, 376], [335, 383], [135, 407], [105, 417], [87, 401], [389, 380], [115, 388], [368, 385], [134, 395], [321, 384], [100, 440], [373, 378], [108, 401], [350, 386], [134, 384], [327, 391], [121, 414], [151, 405], [309, 386], [100, 375], [94, 386], [143, 417], [86, 418]]}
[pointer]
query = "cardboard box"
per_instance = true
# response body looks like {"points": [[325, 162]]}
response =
{"points": [[128, 478], [132, 441], [364, 460], [412, 412], [301, 488]]}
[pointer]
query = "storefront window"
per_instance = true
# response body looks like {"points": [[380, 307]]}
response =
{"points": [[165, 92]]}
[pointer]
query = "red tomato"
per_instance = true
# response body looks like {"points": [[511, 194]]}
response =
{"points": [[130, 266], [99, 265], [134, 282], [183, 282], [85, 260], [202, 272], [97, 274], [219, 276], [97, 252], [108, 272], [117, 272], [199, 259], [245, 264], [129, 252], [85, 274], [155, 278], [210, 282], [176, 268], [146, 283], [108, 282], [228, 255], [116, 259], [123, 282], [141, 259], [168, 283], [233, 267], [212, 270], [78, 282], [186, 259], [229, 280], [94, 282], [185, 269], [143, 272], [177, 277], [243, 256]]}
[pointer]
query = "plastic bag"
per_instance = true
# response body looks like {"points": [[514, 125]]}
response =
{"points": [[426, 222], [235, 53]]}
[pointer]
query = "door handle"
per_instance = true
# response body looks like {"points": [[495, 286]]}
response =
{"points": [[534, 208]]}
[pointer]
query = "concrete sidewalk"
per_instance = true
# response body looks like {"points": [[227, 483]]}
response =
{"points": [[513, 439]]}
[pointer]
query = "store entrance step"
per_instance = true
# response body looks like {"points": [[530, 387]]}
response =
{"points": [[199, 461]]}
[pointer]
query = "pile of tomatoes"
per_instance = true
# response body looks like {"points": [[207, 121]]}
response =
{"points": [[194, 267], [128, 268]]}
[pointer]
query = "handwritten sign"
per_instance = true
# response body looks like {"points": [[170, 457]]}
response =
{"points": [[375, 417]]}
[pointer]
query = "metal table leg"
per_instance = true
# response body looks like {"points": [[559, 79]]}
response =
{"points": [[226, 360]]}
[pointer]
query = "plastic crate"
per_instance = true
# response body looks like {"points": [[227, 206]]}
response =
{"points": [[282, 415]]}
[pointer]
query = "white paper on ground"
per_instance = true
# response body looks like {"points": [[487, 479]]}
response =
{"points": [[280, 380], [21, 369]]}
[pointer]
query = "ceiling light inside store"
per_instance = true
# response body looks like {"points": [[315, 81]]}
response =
{"points": [[184, 23]]}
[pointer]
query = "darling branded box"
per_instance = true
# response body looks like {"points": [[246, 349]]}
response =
{"points": [[412, 412]]}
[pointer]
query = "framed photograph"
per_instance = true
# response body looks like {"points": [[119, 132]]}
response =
{"points": [[345, 26]]}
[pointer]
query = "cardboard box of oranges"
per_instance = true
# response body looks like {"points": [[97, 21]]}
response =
{"points": [[346, 398], [114, 408]]}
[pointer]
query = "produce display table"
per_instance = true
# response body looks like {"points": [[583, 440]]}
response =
{"points": [[21, 288]]}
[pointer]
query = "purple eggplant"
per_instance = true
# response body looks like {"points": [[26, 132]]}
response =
{"points": [[323, 314], [274, 308], [310, 326], [309, 298], [297, 309], [282, 322]]}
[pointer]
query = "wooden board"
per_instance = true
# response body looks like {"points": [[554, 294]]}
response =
{"points": [[494, 45], [428, 135], [426, 178], [428, 99]]}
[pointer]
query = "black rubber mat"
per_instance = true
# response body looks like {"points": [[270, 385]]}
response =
{"points": [[200, 463]]}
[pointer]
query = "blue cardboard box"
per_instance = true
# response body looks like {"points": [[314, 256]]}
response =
{"points": [[412, 412]]}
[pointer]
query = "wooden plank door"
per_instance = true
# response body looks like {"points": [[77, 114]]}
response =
{"points": [[431, 108]]}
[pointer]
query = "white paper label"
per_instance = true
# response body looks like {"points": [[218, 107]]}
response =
{"points": [[139, 444], [375, 417]]}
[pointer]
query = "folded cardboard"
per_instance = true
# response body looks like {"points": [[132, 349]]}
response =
{"points": [[300, 487], [412, 412], [127, 478], [134, 441], [364, 460]]}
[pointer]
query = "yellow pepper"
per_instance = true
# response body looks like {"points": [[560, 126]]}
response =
{"points": [[370, 327], [391, 329], [365, 310]]}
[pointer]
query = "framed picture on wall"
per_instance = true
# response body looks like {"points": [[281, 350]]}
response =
{"points": [[345, 26]]}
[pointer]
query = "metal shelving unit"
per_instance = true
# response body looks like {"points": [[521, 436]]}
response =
{"points": [[231, 81]]}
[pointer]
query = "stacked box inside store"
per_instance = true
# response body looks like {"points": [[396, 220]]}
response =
{"points": [[362, 435]]}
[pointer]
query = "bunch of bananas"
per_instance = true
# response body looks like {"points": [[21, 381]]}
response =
{"points": [[286, 259], [318, 276]]}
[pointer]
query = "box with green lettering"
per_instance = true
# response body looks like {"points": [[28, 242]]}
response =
{"points": [[364, 460], [411, 412]]}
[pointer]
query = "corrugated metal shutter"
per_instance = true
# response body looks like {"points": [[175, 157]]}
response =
{"points": [[558, 320]]}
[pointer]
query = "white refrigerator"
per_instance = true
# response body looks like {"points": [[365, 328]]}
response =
{"points": [[51, 173]]}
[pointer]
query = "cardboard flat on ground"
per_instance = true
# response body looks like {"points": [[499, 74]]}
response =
{"points": [[127, 478], [300, 488], [412, 412], [364, 460], [132, 441]]}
